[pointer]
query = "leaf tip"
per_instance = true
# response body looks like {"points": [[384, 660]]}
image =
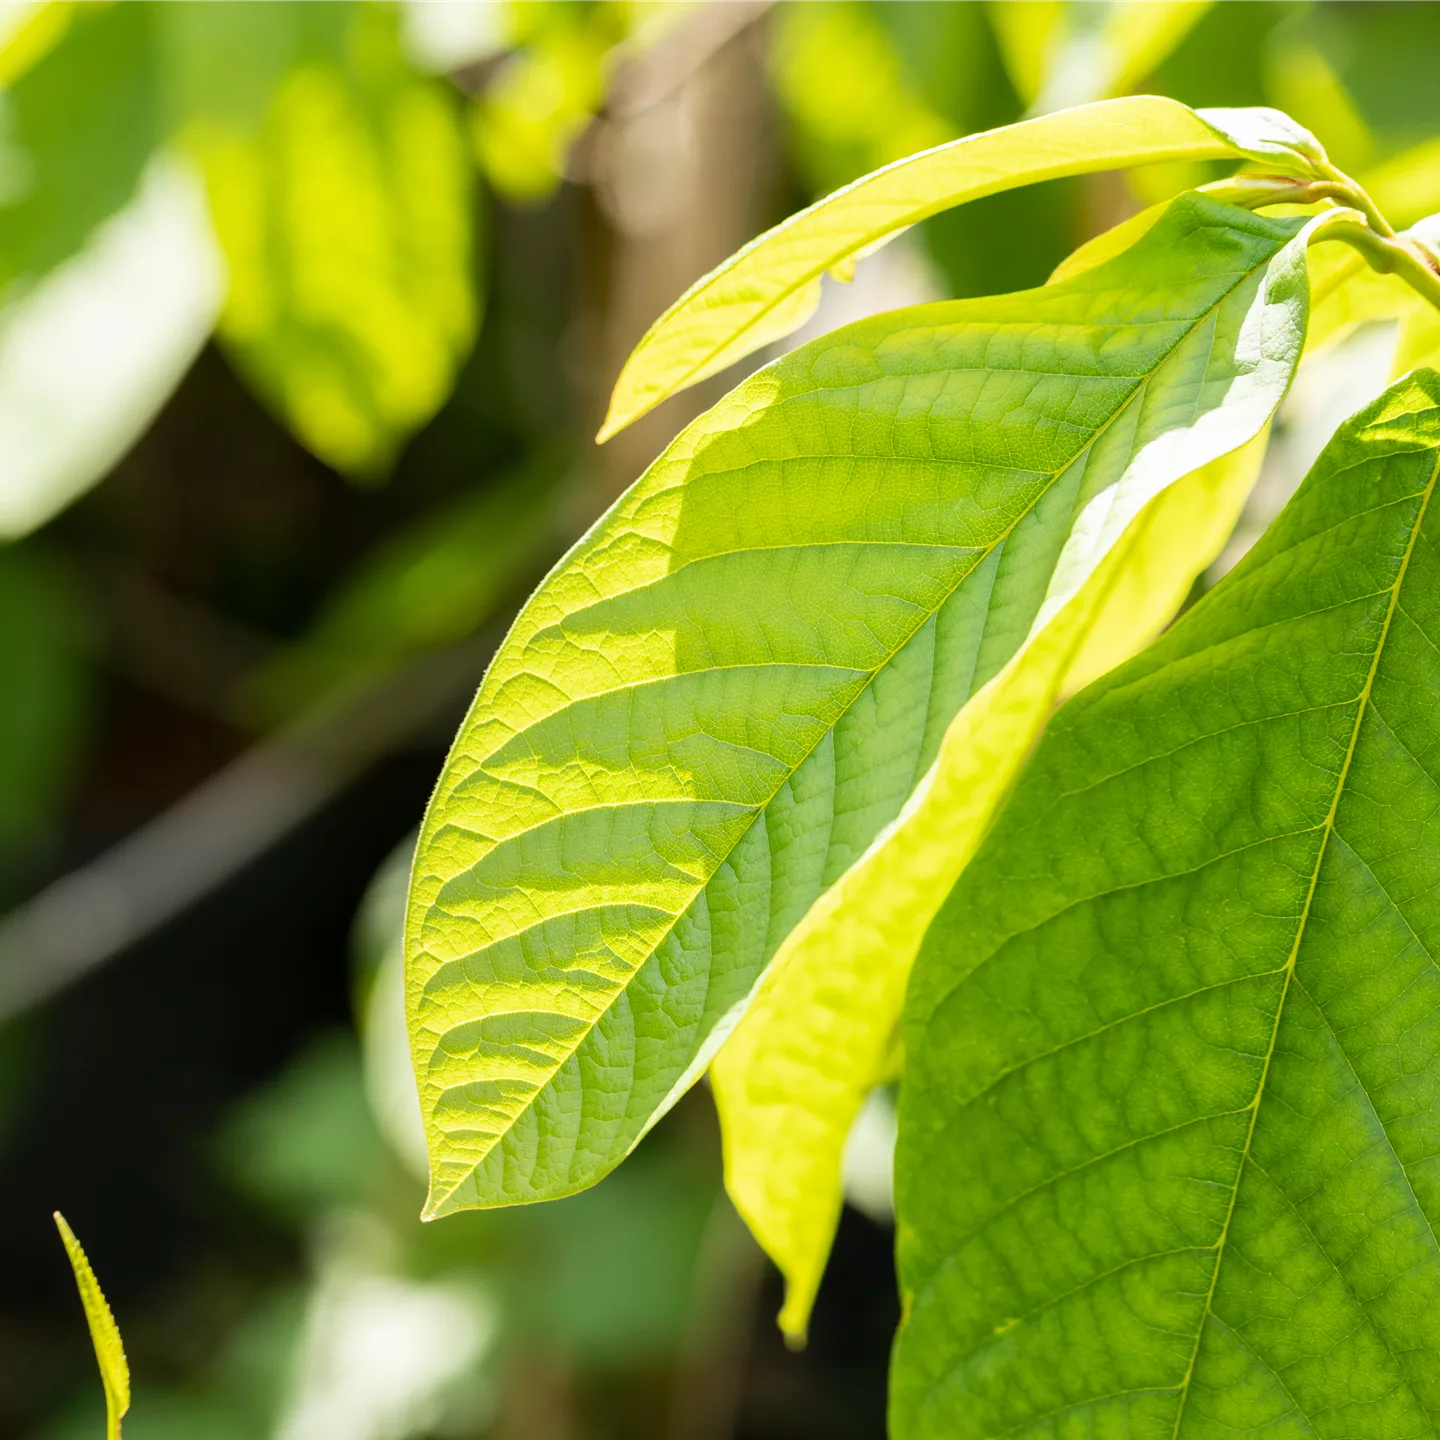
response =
{"points": [[104, 1332]]}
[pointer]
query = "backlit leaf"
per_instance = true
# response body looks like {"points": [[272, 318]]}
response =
{"points": [[346, 221], [109, 1352], [1168, 1122], [791, 1081], [711, 708], [767, 289]]}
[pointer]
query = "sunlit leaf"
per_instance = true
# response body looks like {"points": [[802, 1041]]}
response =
{"points": [[92, 350], [731, 685], [1029, 36], [768, 288], [346, 223], [845, 91], [1168, 1117], [109, 1352], [29, 29], [542, 97], [791, 1081], [1062, 54]]}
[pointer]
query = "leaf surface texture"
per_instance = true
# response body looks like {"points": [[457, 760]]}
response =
{"points": [[731, 685], [1168, 1128], [821, 1031], [104, 1332], [770, 287]]}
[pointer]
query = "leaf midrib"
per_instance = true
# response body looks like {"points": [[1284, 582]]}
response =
{"points": [[1328, 827], [1136, 395]]}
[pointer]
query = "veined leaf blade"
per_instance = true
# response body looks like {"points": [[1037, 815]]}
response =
{"points": [[104, 1332], [819, 1034], [1168, 1114], [732, 684], [770, 286]]}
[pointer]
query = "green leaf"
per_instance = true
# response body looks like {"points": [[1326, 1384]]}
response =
{"points": [[731, 685], [109, 1352], [346, 221], [819, 1033], [1063, 54], [1168, 1123], [768, 288], [80, 125]]}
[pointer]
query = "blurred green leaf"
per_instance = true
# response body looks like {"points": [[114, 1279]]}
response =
{"points": [[1061, 53], [76, 131], [43, 676], [852, 106], [346, 219], [543, 95], [609, 1276], [427, 586], [767, 289], [306, 1141]]}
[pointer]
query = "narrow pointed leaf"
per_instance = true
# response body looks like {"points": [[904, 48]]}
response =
{"points": [[768, 288], [104, 1332], [1168, 1124], [792, 1079], [731, 685]]}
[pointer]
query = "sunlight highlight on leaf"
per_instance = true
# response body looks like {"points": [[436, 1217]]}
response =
{"points": [[346, 224], [711, 708], [769, 288], [109, 1351], [791, 1081]]}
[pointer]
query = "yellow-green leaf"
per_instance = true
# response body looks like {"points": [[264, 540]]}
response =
{"points": [[104, 1332], [716, 702], [345, 218], [768, 288], [818, 1035]]}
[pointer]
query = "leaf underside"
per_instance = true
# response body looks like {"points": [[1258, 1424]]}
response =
{"points": [[1170, 1123], [733, 682]]}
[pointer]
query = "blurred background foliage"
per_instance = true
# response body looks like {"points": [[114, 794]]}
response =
{"points": [[307, 314]]}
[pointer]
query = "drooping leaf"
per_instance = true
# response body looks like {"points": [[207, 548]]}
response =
{"points": [[819, 1034], [1172, 1066], [104, 1333], [768, 288], [345, 218], [714, 704]]}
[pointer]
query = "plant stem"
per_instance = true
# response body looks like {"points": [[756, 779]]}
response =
{"points": [[1398, 255]]}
